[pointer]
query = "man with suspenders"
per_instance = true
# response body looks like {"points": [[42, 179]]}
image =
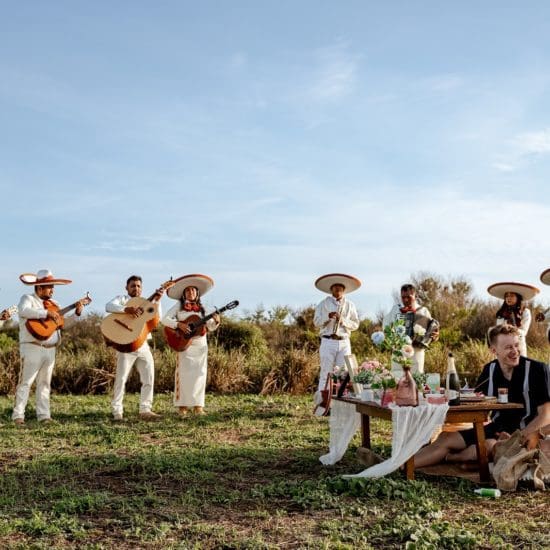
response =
{"points": [[527, 382]]}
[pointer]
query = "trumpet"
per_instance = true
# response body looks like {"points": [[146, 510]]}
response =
{"points": [[337, 322]]}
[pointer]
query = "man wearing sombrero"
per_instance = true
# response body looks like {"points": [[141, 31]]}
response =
{"points": [[541, 317], [37, 356], [192, 362], [335, 317], [513, 310], [142, 358]]}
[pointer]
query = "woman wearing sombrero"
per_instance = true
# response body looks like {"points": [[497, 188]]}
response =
{"points": [[192, 362], [335, 317], [513, 310], [545, 316]]}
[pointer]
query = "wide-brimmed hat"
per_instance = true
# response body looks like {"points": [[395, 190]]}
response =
{"points": [[325, 282], [545, 276], [202, 282], [527, 292], [41, 278]]}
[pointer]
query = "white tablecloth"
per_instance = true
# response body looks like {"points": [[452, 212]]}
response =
{"points": [[412, 428]]}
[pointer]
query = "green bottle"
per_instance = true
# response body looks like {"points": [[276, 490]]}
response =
{"points": [[488, 492]]}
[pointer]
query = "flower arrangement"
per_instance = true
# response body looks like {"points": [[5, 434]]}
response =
{"points": [[375, 374], [395, 340], [421, 378]]}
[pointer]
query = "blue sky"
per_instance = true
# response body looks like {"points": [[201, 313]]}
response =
{"points": [[267, 143]]}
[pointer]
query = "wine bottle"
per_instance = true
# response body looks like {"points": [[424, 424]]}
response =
{"points": [[452, 383]]}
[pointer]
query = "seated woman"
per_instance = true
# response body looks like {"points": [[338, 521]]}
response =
{"points": [[192, 362], [513, 310]]}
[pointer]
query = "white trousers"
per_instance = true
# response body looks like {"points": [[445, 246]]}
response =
{"points": [[331, 354], [37, 364], [143, 359]]}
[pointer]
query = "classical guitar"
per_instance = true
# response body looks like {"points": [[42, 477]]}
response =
{"points": [[42, 329], [179, 341], [126, 332]]}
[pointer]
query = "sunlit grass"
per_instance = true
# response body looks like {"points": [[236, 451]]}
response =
{"points": [[246, 475]]}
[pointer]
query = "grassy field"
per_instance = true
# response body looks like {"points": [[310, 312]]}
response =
{"points": [[246, 475]]}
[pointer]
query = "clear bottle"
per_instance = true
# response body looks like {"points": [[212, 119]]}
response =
{"points": [[452, 383], [406, 393]]}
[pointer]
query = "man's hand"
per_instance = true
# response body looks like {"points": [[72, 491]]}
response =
{"points": [[53, 315], [334, 315], [216, 317], [135, 311], [435, 335], [158, 294]]}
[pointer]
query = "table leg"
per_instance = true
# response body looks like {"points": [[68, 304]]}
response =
{"points": [[365, 430], [482, 460], [409, 468]]}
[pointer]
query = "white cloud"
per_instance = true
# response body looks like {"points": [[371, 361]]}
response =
{"points": [[335, 75], [530, 143]]}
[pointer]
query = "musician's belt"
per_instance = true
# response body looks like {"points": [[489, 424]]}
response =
{"points": [[41, 345], [333, 337]]}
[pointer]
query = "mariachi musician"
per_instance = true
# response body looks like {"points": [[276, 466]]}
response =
{"points": [[38, 354], [141, 357], [420, 327], [545, 316], [192, 362], [335, 317]]}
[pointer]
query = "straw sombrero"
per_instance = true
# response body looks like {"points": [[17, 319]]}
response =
{"points": [[545, 277], [347, 281], [527, 292], [202, 282], [43, 277]]}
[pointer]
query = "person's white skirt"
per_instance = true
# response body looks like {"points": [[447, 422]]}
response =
{"points": [[190, 376]]}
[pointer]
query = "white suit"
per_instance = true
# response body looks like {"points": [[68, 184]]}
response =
{"points": [[37, 360], [142, 358], [334, 345]]}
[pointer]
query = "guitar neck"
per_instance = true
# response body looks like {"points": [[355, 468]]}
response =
{"points": [[207, 318], [68, 308]]}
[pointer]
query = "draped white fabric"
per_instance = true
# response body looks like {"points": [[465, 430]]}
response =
{"points": [[412, 428], [343, 422]]}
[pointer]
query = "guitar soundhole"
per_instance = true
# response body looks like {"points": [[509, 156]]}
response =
{"points": [[150, 309]]}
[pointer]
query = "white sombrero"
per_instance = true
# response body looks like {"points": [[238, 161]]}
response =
{"points": [[202, 282], [545, 277], [527, 292], [43, 277], [325, 282]]}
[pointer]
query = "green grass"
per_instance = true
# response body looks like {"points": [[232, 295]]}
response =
{"points": [[246, 475]]}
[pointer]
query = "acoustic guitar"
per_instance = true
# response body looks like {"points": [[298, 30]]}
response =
{"points": [[179, 341], [126, 332], [42, 329]]}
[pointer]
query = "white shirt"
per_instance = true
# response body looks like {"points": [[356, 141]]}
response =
{"points": [[349, 319], [32, 307], [118, 303]]}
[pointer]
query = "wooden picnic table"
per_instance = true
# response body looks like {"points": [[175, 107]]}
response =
{"points": [[475, 412]]}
